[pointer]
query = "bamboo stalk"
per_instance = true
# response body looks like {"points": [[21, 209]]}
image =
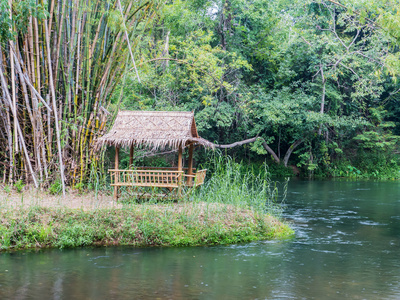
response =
{"points": [[57, 54], [19, 132], [53, 94], [32, 114], [14, 100], [127, 40], [31, 52], [51, 14]]}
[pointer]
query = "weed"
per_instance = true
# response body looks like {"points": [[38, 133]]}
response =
{"points": [[56, 187], [79, 187], [19, 186], [7, 189]]}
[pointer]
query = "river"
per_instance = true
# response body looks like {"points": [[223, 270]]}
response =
{"points": [[347, 246]]}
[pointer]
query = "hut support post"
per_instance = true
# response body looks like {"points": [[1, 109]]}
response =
{"points": [[116, 180], [180, 169], [131, 156], [190, 164]]}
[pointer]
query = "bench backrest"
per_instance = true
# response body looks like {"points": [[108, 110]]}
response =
{"points": [[200, 177]]}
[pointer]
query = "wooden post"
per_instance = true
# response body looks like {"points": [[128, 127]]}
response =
{"points": [[180, 158], [116, 167], [190, 164], [131, 156], [180, 169]]}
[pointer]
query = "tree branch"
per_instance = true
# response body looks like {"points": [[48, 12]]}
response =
{"points": [[164, 58], [290, 150], [270, 151], [236, 143], [240, 143], [357, 13]]}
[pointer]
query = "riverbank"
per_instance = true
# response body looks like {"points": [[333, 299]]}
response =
{"points": [[34, 219]]}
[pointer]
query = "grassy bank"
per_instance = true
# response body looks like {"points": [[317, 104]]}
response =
{"points": [[186, 224], [235, 205]]}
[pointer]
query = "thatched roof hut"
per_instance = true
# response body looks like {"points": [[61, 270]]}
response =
{"points": [[156, 129]]}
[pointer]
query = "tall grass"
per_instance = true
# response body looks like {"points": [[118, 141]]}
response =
{"points": [[236, 184]]}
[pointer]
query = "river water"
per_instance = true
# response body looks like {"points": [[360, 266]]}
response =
{"points": [[347, 246]]}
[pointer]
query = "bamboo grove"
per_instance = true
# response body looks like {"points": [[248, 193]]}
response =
{"points": [[59, 63]]}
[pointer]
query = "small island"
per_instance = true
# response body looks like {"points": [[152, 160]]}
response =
{"points": [[35, 219]]}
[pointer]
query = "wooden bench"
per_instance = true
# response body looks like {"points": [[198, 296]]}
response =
{"points": [[155, 178], [146, 178]]}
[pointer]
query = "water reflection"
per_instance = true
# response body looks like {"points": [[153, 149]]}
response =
{"points": [[346, 247]]}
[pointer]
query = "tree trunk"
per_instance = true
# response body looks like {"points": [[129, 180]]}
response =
{"points": [[290, 150], [225, 23], [323, 95], [272, 152]]}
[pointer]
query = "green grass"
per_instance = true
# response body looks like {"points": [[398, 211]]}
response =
{"points": [[236, 184], [187, 224]]}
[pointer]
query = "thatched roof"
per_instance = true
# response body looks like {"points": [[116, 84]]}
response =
{"points": [[157, 129]]}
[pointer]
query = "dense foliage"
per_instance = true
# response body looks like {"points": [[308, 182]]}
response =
{"points": [[315, 80]]}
